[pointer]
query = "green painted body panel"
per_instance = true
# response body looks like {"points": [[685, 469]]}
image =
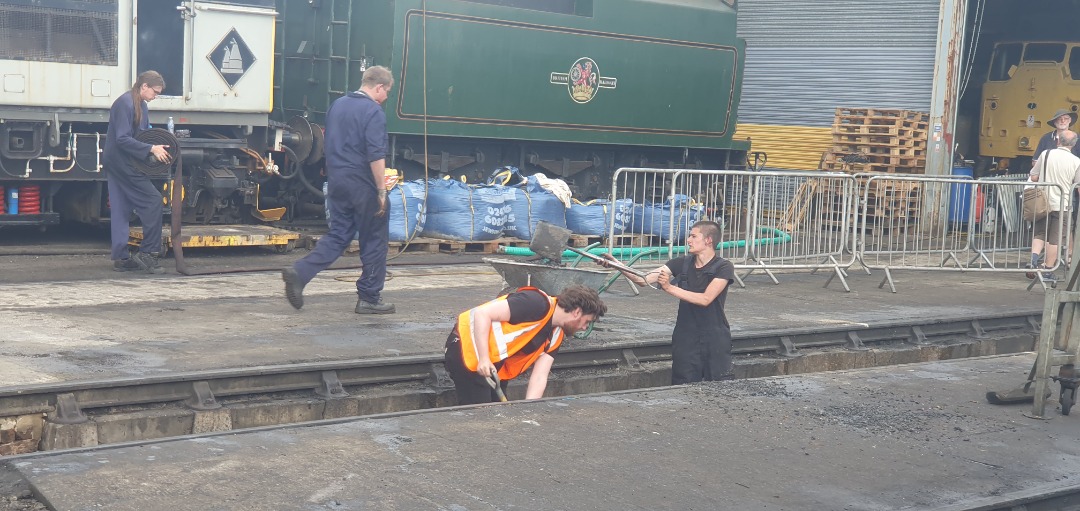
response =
{"points": [[669, 71]]}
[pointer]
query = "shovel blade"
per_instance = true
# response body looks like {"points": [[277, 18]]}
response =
{"points": [[1022, 394], [549, 240]]}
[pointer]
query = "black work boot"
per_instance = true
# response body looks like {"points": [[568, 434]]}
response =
{"points": [[149, 262], [126, 265], [379, 307], [294, 290]]}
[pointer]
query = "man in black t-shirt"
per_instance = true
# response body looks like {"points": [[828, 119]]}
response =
{"points": [[701, 342]]}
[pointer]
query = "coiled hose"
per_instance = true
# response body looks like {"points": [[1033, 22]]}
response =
{"points": [[154, 168], [150, 166]]}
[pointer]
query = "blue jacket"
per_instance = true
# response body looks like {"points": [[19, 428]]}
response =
{"points": [[120, 143], [355, 137]]}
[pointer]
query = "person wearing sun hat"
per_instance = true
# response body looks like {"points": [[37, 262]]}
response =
{"points": [[1050, 140]]}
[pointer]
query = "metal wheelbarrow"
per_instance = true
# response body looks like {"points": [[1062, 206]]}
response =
{"points": [[548, 243]]}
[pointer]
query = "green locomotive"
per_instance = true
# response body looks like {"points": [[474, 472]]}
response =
{"points": [[574, 88]]}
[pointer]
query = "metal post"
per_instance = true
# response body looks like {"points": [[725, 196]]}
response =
{"points": [[943, 102], [946, 87]]}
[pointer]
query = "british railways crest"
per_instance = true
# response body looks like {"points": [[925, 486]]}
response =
{"points": [[583, 80]]}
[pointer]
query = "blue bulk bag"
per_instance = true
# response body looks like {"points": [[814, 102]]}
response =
{"points": [[531, 204], [460, 212], [655, 218], [591, 218], [407, 215]]}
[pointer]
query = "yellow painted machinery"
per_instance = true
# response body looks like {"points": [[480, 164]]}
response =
{"points": [[1027, 83]]}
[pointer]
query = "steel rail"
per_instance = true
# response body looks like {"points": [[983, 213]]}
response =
{"points": [[65, 401]]}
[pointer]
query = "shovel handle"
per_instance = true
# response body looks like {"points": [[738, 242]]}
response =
{"points": [[613, 264], [496, 385]]}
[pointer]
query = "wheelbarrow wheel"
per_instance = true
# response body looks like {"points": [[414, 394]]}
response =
{"points": [[1068, 396]]}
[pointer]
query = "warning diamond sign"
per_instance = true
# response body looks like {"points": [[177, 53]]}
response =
{"points": [[232, 58]]}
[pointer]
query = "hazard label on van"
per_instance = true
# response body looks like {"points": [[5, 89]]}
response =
{"points": [[231, 58]]}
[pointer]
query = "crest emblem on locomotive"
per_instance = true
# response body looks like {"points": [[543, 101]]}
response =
{"points": [[584, 80]]}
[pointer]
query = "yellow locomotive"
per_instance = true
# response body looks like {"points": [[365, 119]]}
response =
{"points": [[1026, 84]]}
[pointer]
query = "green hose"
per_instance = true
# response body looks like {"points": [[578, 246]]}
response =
{"points": [[779, 237]]}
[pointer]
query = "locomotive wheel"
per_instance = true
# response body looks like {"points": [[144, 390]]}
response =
{"points": [[1068, 397], [304, 132]]}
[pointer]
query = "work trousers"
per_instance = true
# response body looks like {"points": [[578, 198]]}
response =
{"points": [[353, 219], [700, 357], [471, 388], [129, 190]]}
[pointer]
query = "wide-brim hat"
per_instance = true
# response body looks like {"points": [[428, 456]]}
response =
{"points": [[1061, 112]]}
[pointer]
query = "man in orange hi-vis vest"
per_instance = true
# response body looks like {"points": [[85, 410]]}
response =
{"points": [[512, 333]]}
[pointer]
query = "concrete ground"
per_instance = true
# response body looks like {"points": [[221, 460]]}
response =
{"points": [[69, 317], [915, 436]]}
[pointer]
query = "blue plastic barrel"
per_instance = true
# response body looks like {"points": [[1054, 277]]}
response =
{"points": [[13, 200], [960, 196]]}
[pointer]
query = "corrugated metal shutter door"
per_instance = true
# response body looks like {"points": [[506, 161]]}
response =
{"points": [[806, 58]]}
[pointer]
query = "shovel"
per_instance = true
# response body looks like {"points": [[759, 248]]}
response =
{"points": [[496, 385], [549, 241], [1023, 394]]}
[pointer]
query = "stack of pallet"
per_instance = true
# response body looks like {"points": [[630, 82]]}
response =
{"points": [[877, 140], [872, 141]]}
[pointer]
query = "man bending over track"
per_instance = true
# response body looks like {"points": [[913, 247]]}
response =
{"points": [[510, 334]]}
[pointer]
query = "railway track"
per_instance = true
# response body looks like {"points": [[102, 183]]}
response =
{"points": [[615, 366]]}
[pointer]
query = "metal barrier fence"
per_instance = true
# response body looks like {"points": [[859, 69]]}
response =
{"points": [[769, 220], [794, 219], [797, 220], [948, 224]]}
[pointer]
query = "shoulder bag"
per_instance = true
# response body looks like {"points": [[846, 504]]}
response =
{"points": [[1036, 205]]}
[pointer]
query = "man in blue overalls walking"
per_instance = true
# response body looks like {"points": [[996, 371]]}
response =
{"points": [[356, 147]]}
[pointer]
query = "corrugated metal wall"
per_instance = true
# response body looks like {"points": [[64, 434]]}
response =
{"points": [[787, 147], [806, 58]]}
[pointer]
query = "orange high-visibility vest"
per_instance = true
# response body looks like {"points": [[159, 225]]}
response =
{"points": [[505, 341]]}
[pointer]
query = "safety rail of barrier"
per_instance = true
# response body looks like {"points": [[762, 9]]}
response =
{"points": [[769, 220], [946, 224], [790, 219], [812, 220], [1002, 240]]}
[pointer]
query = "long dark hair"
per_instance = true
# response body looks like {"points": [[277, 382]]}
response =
{"points": [[151, 79]]}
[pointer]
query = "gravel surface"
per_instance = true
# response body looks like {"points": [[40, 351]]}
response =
{"points": [[16, 503]]}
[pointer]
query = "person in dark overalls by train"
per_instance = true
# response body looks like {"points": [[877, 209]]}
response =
{"points": [[701, 342], [356, 147], [129, 189]]}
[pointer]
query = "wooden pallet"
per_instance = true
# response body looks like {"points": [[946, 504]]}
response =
{"points": [[435, 246], [583, 240], [885, 140], [881, 168], [418, 245], [879, 126], [859, 143], [894, 169], [796, 211], [461, 247], [877, 130], [637, 240], [896, 156], [883, 113]]}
